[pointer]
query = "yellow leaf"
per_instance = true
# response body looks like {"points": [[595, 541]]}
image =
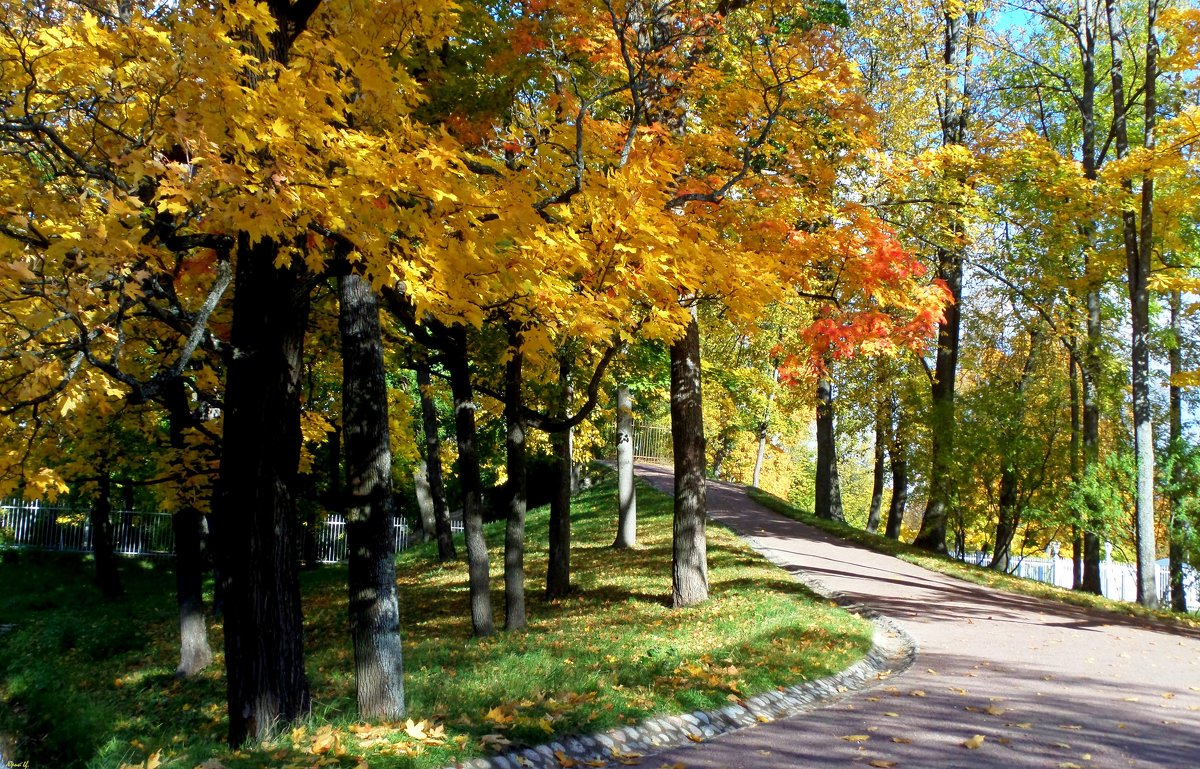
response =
{"points": [[695, 738], [856, 737], [901, 740], [415, 730], [994, 710], [881, 764], [974, 742]]}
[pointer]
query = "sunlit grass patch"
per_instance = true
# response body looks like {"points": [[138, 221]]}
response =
{"points": [[611, 653]]}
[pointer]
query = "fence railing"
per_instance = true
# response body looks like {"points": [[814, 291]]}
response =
{"points": [[1118, 580], [652, 443], [34, 525]]}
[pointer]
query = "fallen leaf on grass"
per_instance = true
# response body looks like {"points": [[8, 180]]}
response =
{"points": [[974, 742], [494, 741]]}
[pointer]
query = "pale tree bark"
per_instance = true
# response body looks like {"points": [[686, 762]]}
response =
{"points": [[762, 430], [195, 653], [689, 564], [626, 491], [370, 506], [482, 621], [515, 453], [1137, 257]]}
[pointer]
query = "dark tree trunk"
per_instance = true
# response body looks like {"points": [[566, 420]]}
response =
{"points": [[932, 535], [433, 464], [724, 446], [370, 507], [1177, 526], [1091, 440], [1010, 512], [1010, 518], [195, 654], [255, 511], [876, 508], [689, 547], [897, 453], [954, 115], [626, 492], [558, 570], [107, 578], [829, 490], [1076, 531], [515, 452], [482, 622]]}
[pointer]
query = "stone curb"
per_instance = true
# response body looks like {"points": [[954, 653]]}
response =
{"points": [[892, 651]]}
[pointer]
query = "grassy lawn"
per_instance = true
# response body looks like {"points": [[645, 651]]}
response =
{"points": [[89, 683], [970, 572]]}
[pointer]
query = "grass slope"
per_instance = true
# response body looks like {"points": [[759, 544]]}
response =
{"points": [[970, 572], [89, 683]]}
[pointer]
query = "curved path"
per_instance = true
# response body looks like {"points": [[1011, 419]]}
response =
{"points": [[1045, 684]]}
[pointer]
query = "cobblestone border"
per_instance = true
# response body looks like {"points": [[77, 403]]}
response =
{"points": [[892, 651]]}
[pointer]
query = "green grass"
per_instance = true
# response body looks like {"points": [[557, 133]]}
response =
{"points": [[970, 572], [89, 683]]}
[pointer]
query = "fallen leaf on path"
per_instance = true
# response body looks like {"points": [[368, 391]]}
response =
{"points": [[881, 764], [1070, 727], [1062, 745], [917, 693], [856, 737], [901, 740], [892, 715], [994, 710], [1133, 699], [974, 742], [695, 738], [564, 760], [1069, 765]]}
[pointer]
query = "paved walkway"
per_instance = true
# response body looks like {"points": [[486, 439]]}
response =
{"points": [[1044, 684]]}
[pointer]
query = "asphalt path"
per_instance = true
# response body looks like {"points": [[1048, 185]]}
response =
{"points": [[1027, 682]]}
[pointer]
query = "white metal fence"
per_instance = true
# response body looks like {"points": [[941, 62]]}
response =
{"points": [[1118, 580], [652, 443], [33, 525]]}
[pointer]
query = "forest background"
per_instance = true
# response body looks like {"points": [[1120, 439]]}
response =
{"points": [[266, 261]]}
